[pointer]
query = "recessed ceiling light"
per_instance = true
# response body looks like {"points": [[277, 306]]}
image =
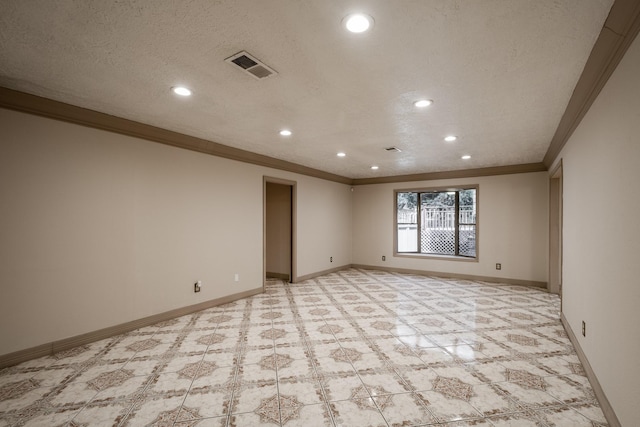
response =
{"points": [[423, 103], [285, 132], [450, 138], [181, 90], [375, 168], [341, 154], [466, 157], [358, 22]]}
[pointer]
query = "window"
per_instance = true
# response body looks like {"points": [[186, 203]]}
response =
{"points": [[437, 222]]}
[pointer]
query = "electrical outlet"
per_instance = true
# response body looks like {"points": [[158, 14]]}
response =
{"points": [[197, 285], [584, 329], [330, 259], [384, 258], [498, 266], [236, 277]]}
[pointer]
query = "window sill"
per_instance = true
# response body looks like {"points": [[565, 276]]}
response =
{"points": [[433, 256]]}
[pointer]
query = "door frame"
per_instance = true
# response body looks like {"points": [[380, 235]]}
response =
{"points": [[555, 231], [293, 274]]}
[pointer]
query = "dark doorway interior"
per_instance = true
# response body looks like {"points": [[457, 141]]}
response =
{"points": [[278, 223]]}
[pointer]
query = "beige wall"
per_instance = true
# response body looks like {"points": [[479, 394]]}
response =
{"points": [[99, 229], [601, 236], [513, 227], [324, 226], [278, 228]]}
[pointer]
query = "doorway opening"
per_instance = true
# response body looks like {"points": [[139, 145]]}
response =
{"points": [[279, 229], [555, 232]]}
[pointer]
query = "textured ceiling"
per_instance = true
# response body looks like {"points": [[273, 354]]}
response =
{"points": [[500, 73]]}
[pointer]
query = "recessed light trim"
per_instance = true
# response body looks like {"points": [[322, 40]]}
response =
{"points": [[358, 22], [422, 103], [466, 157], [181, 90], [285, 132], [341, 154], [375, 168], [450, 138]]}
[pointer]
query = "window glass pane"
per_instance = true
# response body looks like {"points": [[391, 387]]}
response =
{"points": [[438, 213], [407, 208], [437, 221], [468, 206], [467, 242], [407, 237]]}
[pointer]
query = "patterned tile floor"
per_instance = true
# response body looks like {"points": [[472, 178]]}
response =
{"points": [[353, 348]]}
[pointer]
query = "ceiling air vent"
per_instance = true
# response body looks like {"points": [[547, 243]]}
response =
{"points": [[251, 65], [393, 149]]}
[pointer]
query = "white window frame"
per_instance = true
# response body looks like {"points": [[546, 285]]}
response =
{"points": [[418, 254]]}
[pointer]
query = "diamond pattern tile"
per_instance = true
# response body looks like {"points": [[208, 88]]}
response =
{"points": [[351, 348]]}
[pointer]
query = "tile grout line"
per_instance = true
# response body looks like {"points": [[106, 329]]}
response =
{"points": [[355, 326], [309, 349], [194, 318], [275, 362], [240, 354]]}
